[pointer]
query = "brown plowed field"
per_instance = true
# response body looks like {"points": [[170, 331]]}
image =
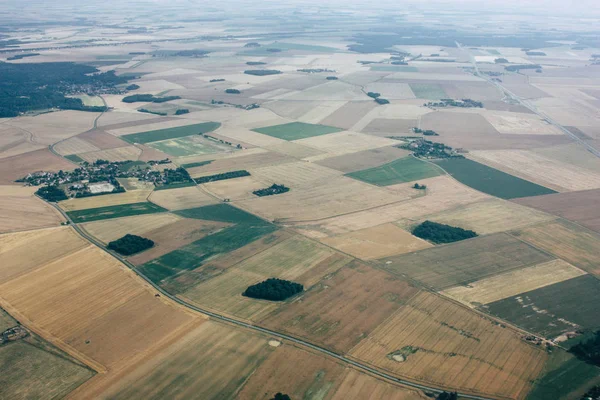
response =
{"points": [[16, 167]]}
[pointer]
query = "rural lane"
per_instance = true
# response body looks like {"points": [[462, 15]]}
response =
{"points": [[234, 321]]}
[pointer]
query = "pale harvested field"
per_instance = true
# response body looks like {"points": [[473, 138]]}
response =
{"points": [[212, 361], [377, 242], [115, 119], [391, 127], [292, 109], [18, 255], [470, 130], [218, 156], [455, 348], [349, 114], [17, 167], [443, 193], [74, 145], [364, 159], [365, 387], [480, 91], [485, 217], [50, 128], [102, 140], [513, 283], [566, 240], [572, 153], [343, 308], [418, 76], [539, 169], [296, 372], [391, 91], [514, 123], [135, 196], [409, 109], [20, 210], [291, 259], [345, 142], [109, 230], [236, 189], [126, 153], [581, 207], [78, 299], [15, 141], [331, 90], [293, 150], [182, 198], [320, 111], [322, 200], [257, 160], [295, 174]]}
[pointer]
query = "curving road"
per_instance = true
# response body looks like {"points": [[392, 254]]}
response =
{"points": [[356, 364]]}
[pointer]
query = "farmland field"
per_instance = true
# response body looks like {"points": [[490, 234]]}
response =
{"points": [[181, 198], [466, 261], [106, 200], [21, 210], [171, 133], [405, 169], [190, 145], [296, 130], [109, 230], [429, 91], [123, 210], [567, 241], [490, 180], [343, 308], [551, 310], [435, 341]]}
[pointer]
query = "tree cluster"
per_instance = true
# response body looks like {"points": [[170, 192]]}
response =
{"points": [[381, 101], [255, 63], [441, 233], [133, 86], [130, 244], [273, 189], [592, 394], [181, 111], [589, 350], [420, 187], [518, 67], [148, 98], [262, 72], [535, 53], [51, 193], [281, 396], [41, 86], [373, 95], [273, 289], [217, 80], [221, 177], [21, 56], [332, 78], [232, 91], [425, 132], [447, 396]]}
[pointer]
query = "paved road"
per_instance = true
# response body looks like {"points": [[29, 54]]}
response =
{"points": [[528, 105], [224, 318]]}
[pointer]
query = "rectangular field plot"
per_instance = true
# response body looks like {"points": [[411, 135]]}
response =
{"points": [[210, 362], [554, 309], [106, 200], [190, 145], [565, 240], [377, 242], [582, 207], [485, 217], [490, 180], [364, 159], [342, 309], [171, 133], [429, 91], [405, 169], [514, 282], [181, 198], [435, 341], [21, 210], [221, 213], [109, 230], [124, 210], [292, 259], [30, 372], [296, 130], [345, 143], [466, 261]]}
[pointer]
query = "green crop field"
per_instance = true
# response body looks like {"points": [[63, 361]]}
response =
{"points": [[429, 91], [466, 261], [195, 254], [563, 374], [490, 180], [123, 210], [6, 321], [220, 212], [394, 68], [553, 309], [171, 133], [75, 158], [297, 130], [405, 169]]}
